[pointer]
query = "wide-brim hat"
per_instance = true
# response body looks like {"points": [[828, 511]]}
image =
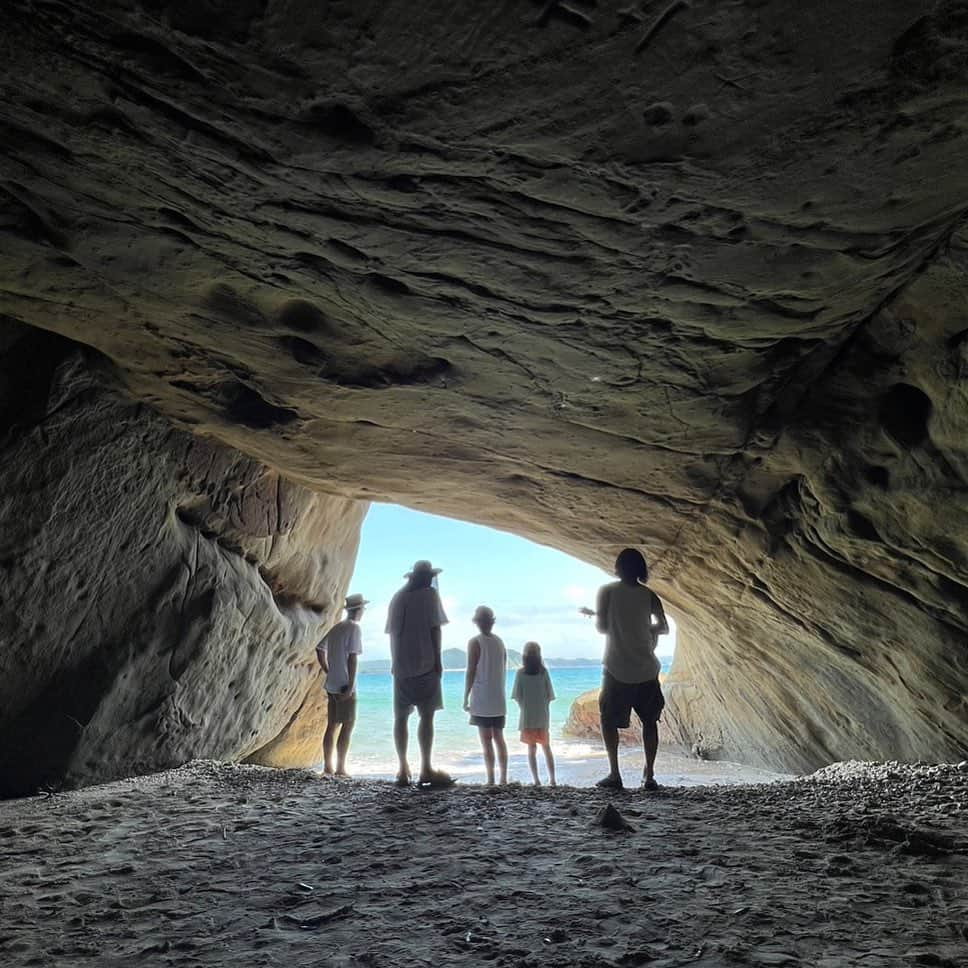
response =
{"points": [[355, 601], [422, 566], [483, 613]]}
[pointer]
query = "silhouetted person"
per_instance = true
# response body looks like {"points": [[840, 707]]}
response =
{"points": [[414, 621], [485, 688], [632, 618], [337, 654], [534, 693]]}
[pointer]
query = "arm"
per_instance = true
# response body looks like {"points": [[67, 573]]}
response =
{"points": [[435, 636], [660, 624], [473, 657], [516, 688], [321, 656], [351, 663], [550, 688], [435, 641], [601, 611]]}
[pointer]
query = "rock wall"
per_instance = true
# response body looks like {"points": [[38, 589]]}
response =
{"points": [[162, 594], [837, 626], [582, 271]]}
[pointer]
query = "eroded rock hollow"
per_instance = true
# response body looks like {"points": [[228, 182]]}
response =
{"points": [[691, 277], [162, 594]]}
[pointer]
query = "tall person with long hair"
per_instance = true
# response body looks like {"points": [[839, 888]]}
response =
{"points": [[630, 616]]}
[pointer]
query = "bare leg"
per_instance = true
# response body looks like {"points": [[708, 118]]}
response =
{"points": [[486, 733], [342, 748], [610, 738], [502, 754], [533, 762], [425, 737], [401, 739], [650, 741], [329, 740], [550, 760]]}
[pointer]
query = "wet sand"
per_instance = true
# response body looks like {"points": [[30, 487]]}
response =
{"points": [[581, 763], [225, 865]]}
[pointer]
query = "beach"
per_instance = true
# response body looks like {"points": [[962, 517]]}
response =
{"points": [[216, 865], [457, 749]]}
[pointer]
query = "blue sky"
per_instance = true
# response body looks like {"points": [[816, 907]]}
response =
{"points": [[534, 590]]}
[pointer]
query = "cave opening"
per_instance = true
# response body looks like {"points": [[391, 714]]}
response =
{"points": [[536, 593]]}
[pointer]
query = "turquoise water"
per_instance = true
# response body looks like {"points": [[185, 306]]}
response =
{"points": [[456, 745]]}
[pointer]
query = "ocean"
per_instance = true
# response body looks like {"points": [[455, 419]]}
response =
{"points": [[456, 746]]}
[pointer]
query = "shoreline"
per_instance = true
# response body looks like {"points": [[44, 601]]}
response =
{"points": [[581, 763]]}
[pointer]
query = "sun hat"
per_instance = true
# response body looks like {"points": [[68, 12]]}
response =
{"points": [[423, 566], [355, 601], [483, 613]]}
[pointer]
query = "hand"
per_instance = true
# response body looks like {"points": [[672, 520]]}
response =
{"points": [[438, 668], [467, 706], [590, 612]]}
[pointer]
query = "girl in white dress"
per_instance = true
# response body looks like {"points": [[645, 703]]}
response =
{"points": [[484, 692], [533, 692]]}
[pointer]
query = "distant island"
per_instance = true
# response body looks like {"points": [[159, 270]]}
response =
{"points": [[455, 660]]}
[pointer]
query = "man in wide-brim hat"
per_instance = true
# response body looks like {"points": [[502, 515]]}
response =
{"points": [[338, 655], [414, 621]]}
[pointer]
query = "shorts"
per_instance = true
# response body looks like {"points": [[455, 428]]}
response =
{"points": [[617, 700], [341, 710], [538, 736], [422, 692], [488, 722]]}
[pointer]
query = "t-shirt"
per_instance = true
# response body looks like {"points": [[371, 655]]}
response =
{"points": [[625, 616], [533, 694], [487, 693], [412, 615], [340, 642]]}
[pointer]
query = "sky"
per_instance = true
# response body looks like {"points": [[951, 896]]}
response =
{"points": [[535, 591]]}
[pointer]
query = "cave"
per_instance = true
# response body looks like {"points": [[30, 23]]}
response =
{"points": [[691, 279], [686, 276]]}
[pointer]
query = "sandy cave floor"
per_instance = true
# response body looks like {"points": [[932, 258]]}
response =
{"points": [[224, 865]]}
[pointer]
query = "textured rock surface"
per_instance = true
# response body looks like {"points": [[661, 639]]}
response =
{"points": [[580, 271], [584, 721], [161, 593]]}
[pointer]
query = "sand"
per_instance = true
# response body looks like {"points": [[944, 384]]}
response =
{"points": [[581, 763], [226, 865]]}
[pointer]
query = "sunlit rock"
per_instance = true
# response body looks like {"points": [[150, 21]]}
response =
{"points": [[162, 594]]}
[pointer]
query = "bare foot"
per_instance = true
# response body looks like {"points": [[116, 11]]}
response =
{"points": [[553, 783], [537, 783]]}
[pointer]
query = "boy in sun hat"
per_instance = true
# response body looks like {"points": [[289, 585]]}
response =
{"points": [[414, 621], [337, 654]]}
